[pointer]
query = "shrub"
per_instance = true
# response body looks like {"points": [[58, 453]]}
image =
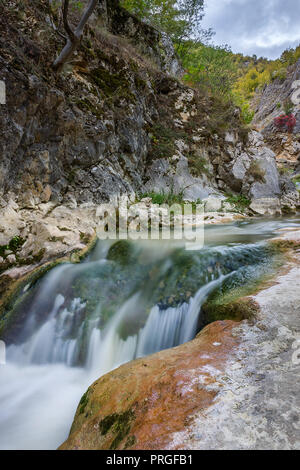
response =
{"points": [[285, 121], [281, 74], [164, 198], [240, 201], [211, 68], [198, 165], [257, 172], [246, 112], [288, 106]]}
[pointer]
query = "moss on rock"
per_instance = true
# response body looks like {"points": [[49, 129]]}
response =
{"points": [[119, 425], [236, 310], [121, 252]]}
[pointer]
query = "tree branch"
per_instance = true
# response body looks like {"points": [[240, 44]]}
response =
{"points": [[65, 9], [73, 37], [55, 28], [86, 14]]}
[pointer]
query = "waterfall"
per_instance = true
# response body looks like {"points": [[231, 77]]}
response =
{"points": [[106, 349], [81, 321]]}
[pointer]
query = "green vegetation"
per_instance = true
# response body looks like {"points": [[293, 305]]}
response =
{"points": [[163, 141], [255, 73], [14, 245], [180, 20], [119, 424], [229, 307], [83, 402], [257, 172], [211, 68], [234, 76], [296, 180], [232, 300], [121, 252], [163, 197], [214, 70], [239, 201], [114, 86], [285, 171], [288, 106], [198, 165]]}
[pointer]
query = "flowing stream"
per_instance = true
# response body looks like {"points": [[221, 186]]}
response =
{"points": [[124, 301]]}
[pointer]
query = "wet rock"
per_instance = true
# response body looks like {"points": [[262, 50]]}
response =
{"points": [[255, 409], [11, 259], [148, 391], [213, 204], [17, 273], [266, 206], [234, 387]]}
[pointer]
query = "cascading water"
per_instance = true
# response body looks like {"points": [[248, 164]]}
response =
{"points": [[81, 321]]}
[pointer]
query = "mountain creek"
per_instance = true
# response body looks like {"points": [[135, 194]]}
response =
{"points": [[125, 300], [145, 344]]}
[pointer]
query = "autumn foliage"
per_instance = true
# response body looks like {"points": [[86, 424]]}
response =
{"points": [[285, 121]]}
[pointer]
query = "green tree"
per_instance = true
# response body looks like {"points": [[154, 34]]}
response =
{"points": [[212, 68], [180, 20]]}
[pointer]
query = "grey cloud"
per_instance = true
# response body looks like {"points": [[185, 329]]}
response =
{"points": [[261, 27]]}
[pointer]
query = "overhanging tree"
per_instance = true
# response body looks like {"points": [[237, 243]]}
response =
{"points": [[73, 37], [181, 20]]}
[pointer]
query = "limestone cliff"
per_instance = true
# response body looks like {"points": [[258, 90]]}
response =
{"points": [[269, 104]]}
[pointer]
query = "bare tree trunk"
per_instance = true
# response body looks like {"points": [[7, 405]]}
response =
{"points": [[73, 36]]}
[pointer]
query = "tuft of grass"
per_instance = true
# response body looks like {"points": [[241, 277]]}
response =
{"points": [[257, 172], [285, 171], [14, 245], [164, 197], [198, 165], [240, 201]]}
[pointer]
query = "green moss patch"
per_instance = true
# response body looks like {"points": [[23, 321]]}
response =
{"points": [[237, 303], [14, 245], [119, 426], [121, 252], [222, 309], [112, 84], [83, 402], [240, 201]]}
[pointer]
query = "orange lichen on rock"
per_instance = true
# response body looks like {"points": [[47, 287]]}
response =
{"points": [[142, 403]]}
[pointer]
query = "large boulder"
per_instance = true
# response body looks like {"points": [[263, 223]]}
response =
{"points": [[141, 404], [252, 169], [290, 199], [263, 170], [266, 206], [213, 204]]}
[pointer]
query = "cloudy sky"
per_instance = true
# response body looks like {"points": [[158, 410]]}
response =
{"points": [[261, 27]]}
